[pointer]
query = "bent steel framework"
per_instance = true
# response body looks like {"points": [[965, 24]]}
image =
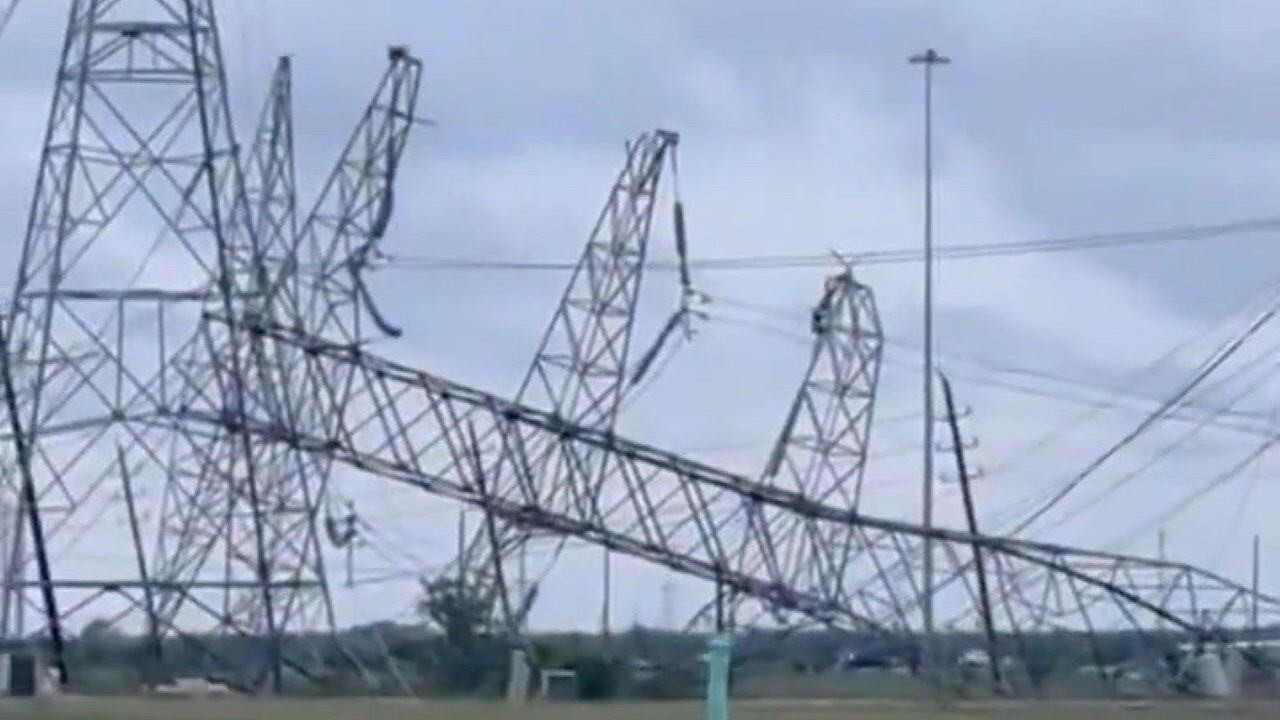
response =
{"points": [[408, 425], [222, 367], [582, 369], [147, 213]]}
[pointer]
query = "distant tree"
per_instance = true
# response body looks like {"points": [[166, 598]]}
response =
{"points": [[456, 609], [99, 628], [100, 641], [459, 611]]}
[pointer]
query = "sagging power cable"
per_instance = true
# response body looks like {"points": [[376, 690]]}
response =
{"points": [[1206, 368], [686, 312], [887, 256], [7, 10]]}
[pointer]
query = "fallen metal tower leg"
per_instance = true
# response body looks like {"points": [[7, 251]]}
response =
{"points": [[581, 371], [821, 451], [407, 425], [306, 277]]}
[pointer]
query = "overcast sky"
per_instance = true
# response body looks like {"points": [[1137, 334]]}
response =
{"points": [[800, 126]]}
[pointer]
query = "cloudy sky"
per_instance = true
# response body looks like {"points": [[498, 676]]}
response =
{"points": [[800, 126]]}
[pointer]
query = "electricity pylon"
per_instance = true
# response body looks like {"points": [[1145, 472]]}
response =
{"points": [[149, 219], [821, 450], [420, 429], [583, 369], [134, 230]]}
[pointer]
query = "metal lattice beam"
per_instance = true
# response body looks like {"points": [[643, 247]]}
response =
{"points": [[582, 368], [408, 425], [821, 451], [139, 136], [146, 217]]}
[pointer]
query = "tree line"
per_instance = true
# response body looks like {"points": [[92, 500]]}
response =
{"points": [[457, 649]]}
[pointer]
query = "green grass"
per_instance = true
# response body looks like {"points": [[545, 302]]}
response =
{"points": [[240, 709]]}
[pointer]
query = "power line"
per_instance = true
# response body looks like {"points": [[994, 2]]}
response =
{"points": [[1183, 233], [1258, 298], [1219, 418], [1200, 492], [1207, 367], [1116, 398], [6, 13], [1224, 416], [1201, 416], [1271, 437], [1165, 452]]}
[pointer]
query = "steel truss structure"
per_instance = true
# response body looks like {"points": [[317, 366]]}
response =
{"points": [[147, 215], [582, 369], [459, 442], [179, 339], [821, 451]]}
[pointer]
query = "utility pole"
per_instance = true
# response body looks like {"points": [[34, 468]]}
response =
{"points": [[928, 59], [605, 599], [1160, 550], [971, 520], [462, 548], [1257, 578]]}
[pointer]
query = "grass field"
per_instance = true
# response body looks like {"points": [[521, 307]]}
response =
{"points": [[97, 709]]}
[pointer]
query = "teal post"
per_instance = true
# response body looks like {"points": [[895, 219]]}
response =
{"points": [[718, 653]]}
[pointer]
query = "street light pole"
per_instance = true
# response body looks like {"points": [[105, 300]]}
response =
{"points": [[928, 59]]}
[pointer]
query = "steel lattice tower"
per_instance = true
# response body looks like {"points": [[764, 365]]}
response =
{"points": [[821, 450], [310, 278], [582, 369], [148, 220], [173, 341], [137, 226], [424, 430]]}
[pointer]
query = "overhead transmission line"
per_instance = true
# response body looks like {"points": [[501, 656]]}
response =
{"points": [[1198, 415], [1237, 517], [1256, 299], [1235, 471], [1114, 396], [1200, 492], [7, 8], [1170, 448], [1182, 233], [1202, 373]]}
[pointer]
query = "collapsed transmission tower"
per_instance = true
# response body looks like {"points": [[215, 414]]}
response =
{"points": [[582, 369], [177, 338], [410, 426], [106, 351], [821, 451]]}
